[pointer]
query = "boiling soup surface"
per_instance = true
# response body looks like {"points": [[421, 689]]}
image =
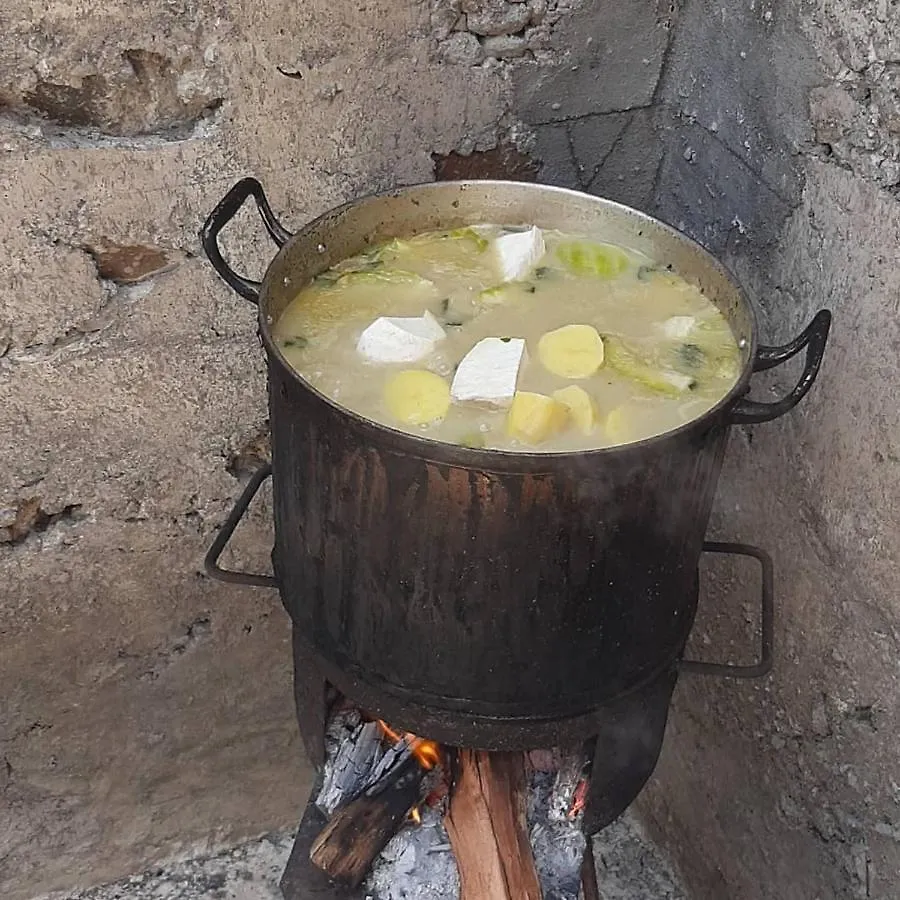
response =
{"points": [[514, 339]]}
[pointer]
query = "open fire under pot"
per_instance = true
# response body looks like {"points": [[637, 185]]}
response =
{"points": [[523, 615]]}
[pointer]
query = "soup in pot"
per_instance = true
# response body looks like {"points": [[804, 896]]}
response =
{"points": [[515, 339]]}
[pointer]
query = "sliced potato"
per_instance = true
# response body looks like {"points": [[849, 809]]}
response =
{"points": [[417, 397], [592, 258], [532, 418], [580, 405], [573, 351], [618, 427]]}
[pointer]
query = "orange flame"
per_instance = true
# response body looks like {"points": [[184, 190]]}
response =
{"points": [[427, 753], [579, 799], [415, 815], [389, 732]]}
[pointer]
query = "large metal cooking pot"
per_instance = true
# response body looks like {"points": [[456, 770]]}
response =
{"points": [[452, 590]]}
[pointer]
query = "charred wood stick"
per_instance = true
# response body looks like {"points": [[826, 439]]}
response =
{"points": [[590, 887], [353, 768], [360, 830], [487, 828]]}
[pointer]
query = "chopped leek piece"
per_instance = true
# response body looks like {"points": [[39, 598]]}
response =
{"points": [[626, 362], [589, 258]]}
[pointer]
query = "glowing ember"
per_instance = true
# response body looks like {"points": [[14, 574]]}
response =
{"points": [[427, 753], [579, 799]]}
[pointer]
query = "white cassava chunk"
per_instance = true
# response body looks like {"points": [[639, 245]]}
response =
{"points": [[400, 339], [679, 326], [518, 253], [489, 371]]}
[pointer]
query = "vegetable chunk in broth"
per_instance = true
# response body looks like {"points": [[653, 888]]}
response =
{"points": [[511, 339]]}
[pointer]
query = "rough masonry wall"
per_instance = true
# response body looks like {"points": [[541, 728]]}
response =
{"points": [[131, 392], [144, 709], [595, 115], [770, 131], [782, 156]]}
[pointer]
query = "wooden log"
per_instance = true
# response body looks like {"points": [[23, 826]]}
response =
{"points": [[487, 828], [301, 880], [358, 831], [590, 887]]}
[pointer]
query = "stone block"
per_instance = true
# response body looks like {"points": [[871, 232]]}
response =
{"points": [[128, 703], [833, 113], [810, 745], [504, 46], [443, 21], [145, 93], [857, 120], [595, 137], [708, 192], [495, 17], [718, 78], [627, 160], [462, 49], [130, 72], [553, 149], [610, 57]]}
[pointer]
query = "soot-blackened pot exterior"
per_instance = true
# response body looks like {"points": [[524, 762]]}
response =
{"points": [[441, 586], [541, 592]]}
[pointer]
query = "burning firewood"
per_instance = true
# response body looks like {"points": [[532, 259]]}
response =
{"points": [[360, 830], [498, 814], [353, 767], [487, 828], [372, 810]]}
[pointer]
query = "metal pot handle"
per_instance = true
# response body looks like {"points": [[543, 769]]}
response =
{"points": [[767, 600], [211, 560], [813, 338], [224, 212]]}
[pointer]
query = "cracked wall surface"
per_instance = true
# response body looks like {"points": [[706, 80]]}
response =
{"points": [[144, 709], [781, 152], [769, 132], [595, 114], [132, 401]]}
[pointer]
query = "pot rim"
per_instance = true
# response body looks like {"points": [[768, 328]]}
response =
{"points": [[486, 459]]}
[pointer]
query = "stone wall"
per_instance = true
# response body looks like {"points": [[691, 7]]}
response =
{"points": [[782, 156], [595, 116], [470, 32], [144, 709], [770, 132]]}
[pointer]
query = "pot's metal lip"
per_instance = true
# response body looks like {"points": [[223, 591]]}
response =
{"points": [[483, 459]]}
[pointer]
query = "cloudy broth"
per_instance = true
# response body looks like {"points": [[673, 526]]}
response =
{"points": [[616, 348]]}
